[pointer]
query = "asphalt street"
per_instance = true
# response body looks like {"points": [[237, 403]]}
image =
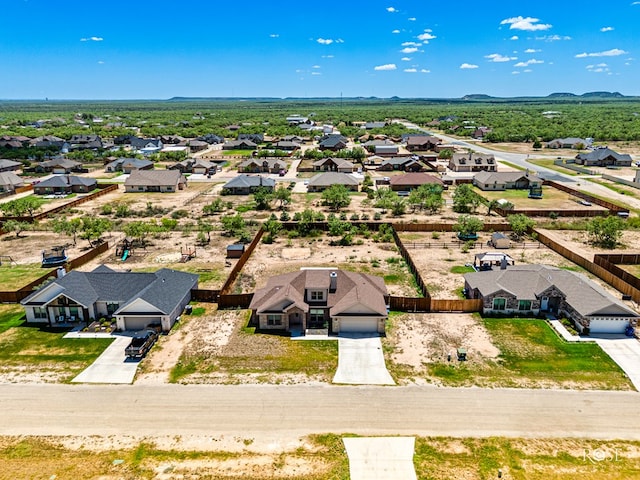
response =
{"points": [[282, 411]]}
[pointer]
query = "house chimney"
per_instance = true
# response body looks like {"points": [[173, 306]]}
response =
{"points": [[333, 281]]}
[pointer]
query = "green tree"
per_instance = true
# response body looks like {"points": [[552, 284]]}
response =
{"points": [[446, 154], [22, 206], [205, 228], [69, 227], [493, 204], [465, 199], [283, 195], [15, 226], [138, 230], [263, 197], [233, 225], [520, 224], [468, 225], [272, 227], [336, 197], [605, 231], [93, 228], [398, 207], [216, 206]]}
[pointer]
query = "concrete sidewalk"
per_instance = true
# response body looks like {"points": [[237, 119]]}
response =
{"points": [[361, 362], [381, 458]]}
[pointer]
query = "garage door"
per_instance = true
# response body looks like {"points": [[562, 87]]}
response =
{"points": [[358, 325], [139, 323], [608, 326]]}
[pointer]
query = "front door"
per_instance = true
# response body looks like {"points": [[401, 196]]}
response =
{"points": [[544, 304]]}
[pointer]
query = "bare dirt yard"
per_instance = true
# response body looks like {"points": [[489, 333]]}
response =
{"points": [[282, 256], [442, 268], [552, 199], [632, 148]]}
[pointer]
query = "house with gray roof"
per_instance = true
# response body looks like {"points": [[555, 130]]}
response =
{"points": [[65, 184], [506, 180], [9, 181], [418, 143], [407, 164], [262, 165], [540, 289], [165, 181], [240, 145], [326, 300], [58, 165], [127, 165], [603, 157], [247, 184], [135, 300], [9, 165], [333, 142], [472, 162], [322, 181], [334, 165], [570, 142]]}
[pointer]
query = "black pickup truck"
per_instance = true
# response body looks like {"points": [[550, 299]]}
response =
{"points": [[141, 344]]}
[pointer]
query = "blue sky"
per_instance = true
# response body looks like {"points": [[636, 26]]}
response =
{"points": [[142, 49]]}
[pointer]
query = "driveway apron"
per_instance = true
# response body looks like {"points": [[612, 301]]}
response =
{"points": [[381, 458], [361, 362], [112, 366]]}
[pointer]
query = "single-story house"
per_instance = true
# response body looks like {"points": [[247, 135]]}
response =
{"points": [[421, 143], [155, 181], [333, 301], [603, 157], [322, 181], [409, 181], [539, 289], [472, 162], [135, 300], [195, 165], [127, 165], [197, 145], [286, 145], [480, 132], [9, 181], [247, 184], [406, 164], [59, 165], [9, 165], [146, 145], [85, 142], [334, 165], [239, 145], [570, 142], [333, 142], [373, 125], [262, 165], [65, 184], [506, 180]]}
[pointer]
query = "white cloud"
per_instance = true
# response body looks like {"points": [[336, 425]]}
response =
{"points": [[468, 66], [395, 31], [515, 37], [411, 44], [497, 58], [410, 70], [327, 56], [274, 35], [92, 39], [406, 59], [635, 3], [528, 24], [599, 68], [409, 50], [316, 73], [100, 62], [424, 70], [426, 36], [412, 19], [532, 50], [528, 70], [515, 72], [324, 41], [316, 66], [386, 67], [614, 52], [533, 61], [553, 38], [391, 10], [607, 29]]}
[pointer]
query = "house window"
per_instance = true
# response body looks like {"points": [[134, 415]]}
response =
{"points": [[112, 307], [169, 189], [499, 303], [316, 318], [40, 312], [317, 295], [141, 189], [73, 312], [274, 320], [524, 305]]}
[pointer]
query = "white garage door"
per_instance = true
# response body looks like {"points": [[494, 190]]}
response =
{"points": [[358, 325], [608, 326], [139, 323]]}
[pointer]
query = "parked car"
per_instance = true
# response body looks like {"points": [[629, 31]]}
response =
{"points": [[141, 344]]}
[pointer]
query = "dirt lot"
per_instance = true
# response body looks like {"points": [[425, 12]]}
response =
{"points": [[435, 263], [578, 241], [552, 199], [632, 148], [282, 257]]}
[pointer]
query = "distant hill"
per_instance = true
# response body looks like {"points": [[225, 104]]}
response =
{"points": [[478, 96], [602, 95], [562, 95]]}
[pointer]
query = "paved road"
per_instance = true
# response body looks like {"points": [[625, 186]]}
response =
{"points": [[283, 411]]}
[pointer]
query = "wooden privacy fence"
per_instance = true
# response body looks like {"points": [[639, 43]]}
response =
{"points": [[609, 262], [412, 267], [240, 263], [601, 272], [456, 305], [409, 304], [446, 227], [201, 295], [612, 207], [90, 255], [241, 300]]}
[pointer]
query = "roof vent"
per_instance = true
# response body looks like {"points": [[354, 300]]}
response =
{"points": [[333, 281]]}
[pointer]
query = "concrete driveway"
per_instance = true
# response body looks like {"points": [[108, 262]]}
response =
{"points": [[623, 350], [112, 366], [361, 362], [380, 458]]}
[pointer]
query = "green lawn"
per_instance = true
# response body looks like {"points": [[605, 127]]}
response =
{"points": [[13, 277], [548, 163], [532, 355], [36, 348], [551, 198]]}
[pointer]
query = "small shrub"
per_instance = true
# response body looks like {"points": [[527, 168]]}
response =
{"points": [[377, 216], [435, 235], [354, 217], [107, 209], [177, 214]]}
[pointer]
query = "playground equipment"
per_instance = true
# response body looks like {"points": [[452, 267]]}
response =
{"points": [[124, 249], [54, 257], [187, 254]]}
